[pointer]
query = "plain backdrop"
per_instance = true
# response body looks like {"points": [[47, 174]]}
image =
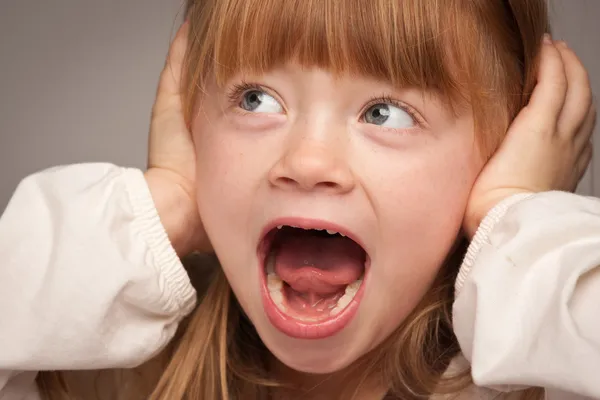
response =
{"points": [[78, 78]]}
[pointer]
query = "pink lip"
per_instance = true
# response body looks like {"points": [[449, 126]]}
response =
{"points": [[287, 324]]}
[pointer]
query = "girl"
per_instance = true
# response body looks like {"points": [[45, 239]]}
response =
{"points": [[336, 162]]}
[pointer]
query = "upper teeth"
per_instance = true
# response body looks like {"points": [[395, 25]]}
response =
{"points": [[331, 232]]}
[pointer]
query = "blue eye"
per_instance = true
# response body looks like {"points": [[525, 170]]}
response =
{"points": [[260, 102], [389, 116]]}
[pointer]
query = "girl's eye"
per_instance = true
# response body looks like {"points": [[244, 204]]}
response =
{"points": [[388, 116], [258, 101]]}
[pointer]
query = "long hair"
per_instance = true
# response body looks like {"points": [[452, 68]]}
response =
{"points": [[473, 53]]}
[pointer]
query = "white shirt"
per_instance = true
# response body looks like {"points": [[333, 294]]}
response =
{"points": [[89, 280]]}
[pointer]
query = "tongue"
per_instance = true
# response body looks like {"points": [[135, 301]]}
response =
{"points": [[323, 265]]}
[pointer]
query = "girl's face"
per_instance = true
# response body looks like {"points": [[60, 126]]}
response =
{"points": [[305, 151]]}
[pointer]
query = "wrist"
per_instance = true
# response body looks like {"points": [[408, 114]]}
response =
{"points": [[475, 215], [176, 209], [471, 224]]}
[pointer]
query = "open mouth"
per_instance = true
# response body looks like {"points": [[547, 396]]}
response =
{"points": [[313, 279]]}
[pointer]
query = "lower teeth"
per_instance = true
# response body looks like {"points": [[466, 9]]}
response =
{"points": [[275, 287]]}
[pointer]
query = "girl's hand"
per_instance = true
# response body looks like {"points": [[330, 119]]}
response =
{"points": [[548, 145], [172, 158]]}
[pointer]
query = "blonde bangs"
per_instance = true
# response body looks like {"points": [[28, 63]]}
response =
{"points": [[464, 51], [385, 39], [401, 42]]}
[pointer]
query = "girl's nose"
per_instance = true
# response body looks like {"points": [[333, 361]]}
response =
{"points": [[309, 164]]}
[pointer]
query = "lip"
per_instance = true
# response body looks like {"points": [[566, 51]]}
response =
{"points": [[293, 327], [305, 330]]}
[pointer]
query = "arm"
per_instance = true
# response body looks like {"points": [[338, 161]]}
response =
{"points": [[526, 310], [88, 278]]}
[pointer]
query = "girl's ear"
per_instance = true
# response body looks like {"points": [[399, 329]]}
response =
{"points": [[530, 19]]}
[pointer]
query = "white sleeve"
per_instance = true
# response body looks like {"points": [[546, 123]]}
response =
{"points": [[527, 309], [88, 277]]}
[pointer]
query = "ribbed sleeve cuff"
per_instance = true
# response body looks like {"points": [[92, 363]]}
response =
{"points": [[178, 295], [482, 236]]}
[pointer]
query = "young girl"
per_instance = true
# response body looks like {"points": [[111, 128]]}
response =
{"points": [[339, 154]]}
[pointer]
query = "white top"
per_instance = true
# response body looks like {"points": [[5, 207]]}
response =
{"points": [[89, 280]]}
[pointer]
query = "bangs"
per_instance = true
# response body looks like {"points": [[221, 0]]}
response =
{"points": [[464, 51], [401, 42]]}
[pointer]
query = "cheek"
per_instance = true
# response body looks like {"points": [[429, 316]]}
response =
{"points": [[420, 207], [222, 184], [219, 184], [421, 200]]}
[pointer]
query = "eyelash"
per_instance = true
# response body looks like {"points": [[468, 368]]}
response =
{"points": [[239, 89], [387, 99]]}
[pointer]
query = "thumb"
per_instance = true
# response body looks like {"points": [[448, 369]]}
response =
{"points": [[168, 97], [169, 134]]}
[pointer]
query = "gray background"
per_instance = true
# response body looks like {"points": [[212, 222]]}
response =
{"points": [[78, 78]]}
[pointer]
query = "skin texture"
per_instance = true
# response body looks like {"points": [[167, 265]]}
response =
{"points": [[401, 191], [172, 158]]}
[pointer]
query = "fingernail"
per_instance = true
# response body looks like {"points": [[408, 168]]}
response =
{"points": [[547, 38], [563, 43]]}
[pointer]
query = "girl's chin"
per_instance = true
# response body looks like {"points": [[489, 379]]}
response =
{"points": [[312, 362], [323, 356]]}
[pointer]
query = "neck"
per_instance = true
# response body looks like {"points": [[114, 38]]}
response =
{"points": [[350, 383]]}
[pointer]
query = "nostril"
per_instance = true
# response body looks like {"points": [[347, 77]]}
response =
{"points": [[293, 183], [329, 185], [287, 181]]}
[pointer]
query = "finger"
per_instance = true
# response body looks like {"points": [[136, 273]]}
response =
{"points": [[579, 93], [168, 97], [584, 161], [587, 129], [548, 97]]}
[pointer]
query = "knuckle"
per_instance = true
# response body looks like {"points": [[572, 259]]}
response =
{"points": [[579, 70], [593, 112], [584, 76], [559, 82], [587, 99], [593, 119]]}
